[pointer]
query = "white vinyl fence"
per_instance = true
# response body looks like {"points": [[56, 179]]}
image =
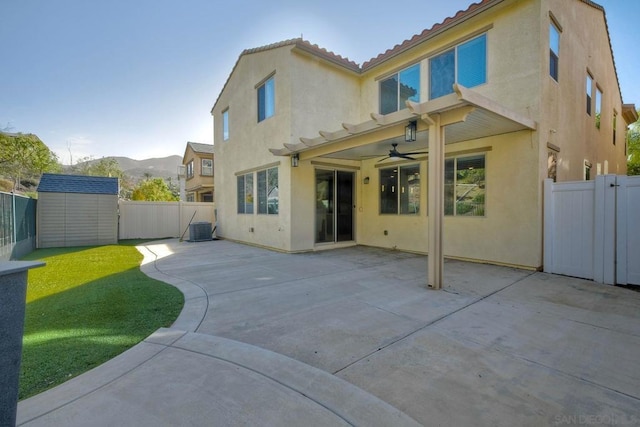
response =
{"points": [[149, 220], [592, 229]]}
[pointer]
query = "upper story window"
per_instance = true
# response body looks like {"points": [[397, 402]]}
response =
{"points": [[395, 90], [615, 123], [598, 106], [266, 99], [225, 124], [554, 50], [207, 167], [400, 190], [190, 170], [465, 64], [588, 89]]}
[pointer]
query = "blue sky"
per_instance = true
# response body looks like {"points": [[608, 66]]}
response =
{"points": [[138, 78]]}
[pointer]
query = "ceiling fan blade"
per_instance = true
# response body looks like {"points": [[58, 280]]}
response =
{"points": [[406, 156], [384, 158]]}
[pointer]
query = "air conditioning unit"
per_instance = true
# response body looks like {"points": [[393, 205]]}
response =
{"points": [[200, 231]]}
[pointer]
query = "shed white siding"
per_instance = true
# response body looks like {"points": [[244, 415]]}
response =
{"points": [[77, 219]]}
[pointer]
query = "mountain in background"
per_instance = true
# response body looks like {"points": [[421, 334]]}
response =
{"points": [[163, 167]]}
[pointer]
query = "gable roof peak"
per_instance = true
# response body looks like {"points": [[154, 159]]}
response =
{"points": [[435, 29], [200, 147]]}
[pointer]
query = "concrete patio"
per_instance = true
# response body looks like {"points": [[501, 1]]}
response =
{"points": [[353, 337]]}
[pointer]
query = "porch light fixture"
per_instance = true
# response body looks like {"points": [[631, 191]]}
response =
{"points": [[410, 132], [295, 159], [365, 180]]}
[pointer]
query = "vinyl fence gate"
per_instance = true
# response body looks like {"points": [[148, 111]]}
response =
{"points": [[17, 226], [592, 229]]}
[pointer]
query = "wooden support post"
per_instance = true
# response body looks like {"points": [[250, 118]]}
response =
{"points": [[435, 198]]}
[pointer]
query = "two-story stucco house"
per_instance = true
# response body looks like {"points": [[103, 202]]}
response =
{"points": [[440, 145], [198, 165]]}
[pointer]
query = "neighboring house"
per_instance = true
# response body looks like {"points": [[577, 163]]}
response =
{"points": [[483, 108], [198, 164], [76, 210]]}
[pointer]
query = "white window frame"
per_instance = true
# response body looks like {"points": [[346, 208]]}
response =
{"points": [[553, 55], [398, 77], [225, 125], [456, 63], [399, 190], [247, 204], [456, 160], [208, 169], [269, 88], [264, 207], [190, 169]]}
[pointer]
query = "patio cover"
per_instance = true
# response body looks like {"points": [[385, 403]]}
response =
{"points": [[464, 114]]}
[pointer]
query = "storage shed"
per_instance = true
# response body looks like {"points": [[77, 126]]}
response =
{"points": [[75, 210]]}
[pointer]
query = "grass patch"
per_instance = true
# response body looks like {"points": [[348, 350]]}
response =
{"points": [[86, 306]]}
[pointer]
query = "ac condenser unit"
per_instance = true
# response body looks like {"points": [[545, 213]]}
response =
{"points": [[200, 231]]}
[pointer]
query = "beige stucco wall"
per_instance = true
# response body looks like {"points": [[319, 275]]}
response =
{"points": [[248, 144], [198, 184], [312, 95], [584, 45], [508, 233], [513, 216]]}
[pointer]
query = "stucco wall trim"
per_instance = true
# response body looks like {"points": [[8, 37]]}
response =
{"points": [[553, 147], [555, 21], [335, 165], [469, 151], [437, 51], [261, 82], [258, 168]]}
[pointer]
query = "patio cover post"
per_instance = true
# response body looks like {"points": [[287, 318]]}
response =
{"points": [[435, 199]]}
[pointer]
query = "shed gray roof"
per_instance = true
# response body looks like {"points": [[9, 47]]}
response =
{"points": [[55, 183]]}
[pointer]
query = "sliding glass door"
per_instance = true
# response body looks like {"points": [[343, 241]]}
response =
{"points": [[334, 206]]}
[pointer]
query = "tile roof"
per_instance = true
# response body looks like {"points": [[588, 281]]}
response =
{"points": [[201, 148], [56, 183], [301, 44], [460, 16]]}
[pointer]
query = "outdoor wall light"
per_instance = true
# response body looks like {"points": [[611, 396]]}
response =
{"points": [[410, 132], [365, 180], [295, 159]]}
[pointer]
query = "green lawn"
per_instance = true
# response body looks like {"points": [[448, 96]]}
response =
{"points": [[87, 305]]}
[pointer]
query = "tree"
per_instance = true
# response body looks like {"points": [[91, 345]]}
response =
{"points": [[106, 166], [25, 157], [153, 190], [633, 149]]}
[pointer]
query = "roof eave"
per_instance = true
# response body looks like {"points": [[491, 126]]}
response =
{"points": [[473, 10], [629, 113]]}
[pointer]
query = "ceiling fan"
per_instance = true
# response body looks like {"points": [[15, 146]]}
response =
{"points": [[394, 153]]}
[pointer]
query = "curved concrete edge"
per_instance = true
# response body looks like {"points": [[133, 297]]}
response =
{"points": [[89, 382], [352, 404], [196, 300], [346, 401]]}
